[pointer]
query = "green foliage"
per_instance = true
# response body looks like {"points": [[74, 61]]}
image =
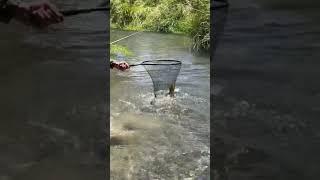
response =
{"points": [[201, 33], [190, 17], [116, 50]]}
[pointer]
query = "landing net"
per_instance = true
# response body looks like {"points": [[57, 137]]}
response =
{"points": [[164, 74]]}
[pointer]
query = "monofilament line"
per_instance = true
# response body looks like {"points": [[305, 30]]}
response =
{"points": [[125, 37]]}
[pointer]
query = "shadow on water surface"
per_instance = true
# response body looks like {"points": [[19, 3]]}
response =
{"points": [[53, 114]]}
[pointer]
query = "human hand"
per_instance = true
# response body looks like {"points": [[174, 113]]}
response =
{"points": [[39, 14], [120, 65]]}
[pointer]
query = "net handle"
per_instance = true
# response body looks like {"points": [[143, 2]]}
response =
{"points": [[133, 65]]}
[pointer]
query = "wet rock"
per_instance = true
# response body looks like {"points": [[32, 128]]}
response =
{"points": [[117, 140], [122, 139]]}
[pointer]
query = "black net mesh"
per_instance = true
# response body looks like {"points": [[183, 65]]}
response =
{"points": [[164, 74]]}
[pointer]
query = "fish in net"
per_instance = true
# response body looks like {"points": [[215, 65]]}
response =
{"points": [[163, 73]]}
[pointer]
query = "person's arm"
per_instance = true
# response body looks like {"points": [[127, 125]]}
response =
{"points": [[39, 14]]}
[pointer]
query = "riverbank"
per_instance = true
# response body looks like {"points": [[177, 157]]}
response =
{"points": [[191, 18]]}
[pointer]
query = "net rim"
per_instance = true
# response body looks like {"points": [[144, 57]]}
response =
{"points": [[169, 62]]}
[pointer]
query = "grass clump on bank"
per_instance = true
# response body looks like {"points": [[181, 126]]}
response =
{"points": [[116, 50], [190, 17]]}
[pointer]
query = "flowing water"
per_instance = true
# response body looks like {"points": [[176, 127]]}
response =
{"points": [[168, 138], [266, 116], [53, 89]]}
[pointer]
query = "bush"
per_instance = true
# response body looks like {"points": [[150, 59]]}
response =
{"points": [[116, 50], [190, 17]]}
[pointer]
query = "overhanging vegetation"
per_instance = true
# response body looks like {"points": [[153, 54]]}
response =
{"points": [[189, 17]]}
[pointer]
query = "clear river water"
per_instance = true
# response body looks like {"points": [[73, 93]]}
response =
{"points": [[169, 138]]}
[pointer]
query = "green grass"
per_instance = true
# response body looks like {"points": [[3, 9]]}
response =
{"points": [[116, 50], [189, 17]]}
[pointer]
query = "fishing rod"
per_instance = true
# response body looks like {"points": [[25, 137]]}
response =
{"points": [[73, 12]]}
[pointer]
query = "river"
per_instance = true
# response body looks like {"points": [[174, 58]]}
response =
{"points": [[169, 138], [266, 97], [53, 98]]}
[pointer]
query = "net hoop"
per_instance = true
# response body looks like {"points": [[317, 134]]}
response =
{"points": [[161, 62]]}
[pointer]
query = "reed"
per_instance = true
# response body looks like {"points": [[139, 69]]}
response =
{"points": [[189, 17]]}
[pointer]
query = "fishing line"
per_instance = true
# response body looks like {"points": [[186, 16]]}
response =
{"points": [[125, 37]]}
